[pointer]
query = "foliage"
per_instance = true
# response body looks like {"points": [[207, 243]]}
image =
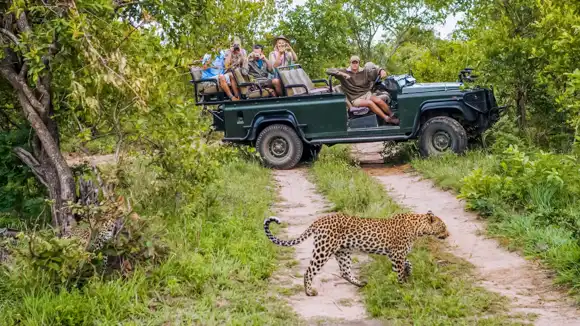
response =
{"points": [[20, 193], [540, 182], [206, 278], [440, 291], [528, 50], [354, 27]]}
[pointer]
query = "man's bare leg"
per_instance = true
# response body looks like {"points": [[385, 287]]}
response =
{"points": [[382, 104], [235, 87], [373, 108], [224, 85], [385, 107], [277, 86]]}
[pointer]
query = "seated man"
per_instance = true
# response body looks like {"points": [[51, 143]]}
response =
{"points": [[355, 83], [216, 71], [261, 70]]}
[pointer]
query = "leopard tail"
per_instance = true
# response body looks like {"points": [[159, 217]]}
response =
{"points": [[285, 243]]}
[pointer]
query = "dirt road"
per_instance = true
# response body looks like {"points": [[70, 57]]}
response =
{"points": [[338, 302], [529, 287]]}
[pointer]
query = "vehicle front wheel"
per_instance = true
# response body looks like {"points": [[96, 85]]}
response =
{"points": [[279, 146], [440, 134]]}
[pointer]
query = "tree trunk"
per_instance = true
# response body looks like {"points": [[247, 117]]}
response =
{"points": [[521, 107], [50, 167], [35, 99], [46, 161]]}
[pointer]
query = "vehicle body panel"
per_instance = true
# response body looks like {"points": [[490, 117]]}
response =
{"points": [[323, 118]]}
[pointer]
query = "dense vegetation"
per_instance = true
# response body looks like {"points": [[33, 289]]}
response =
{"points": [[110, 76]]}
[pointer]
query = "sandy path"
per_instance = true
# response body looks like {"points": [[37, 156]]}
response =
{"points": [[299, 205], [529, 287], [76, 159]]}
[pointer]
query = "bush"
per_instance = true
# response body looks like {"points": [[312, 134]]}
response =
{"points": [[399, 152], [546, 184]]}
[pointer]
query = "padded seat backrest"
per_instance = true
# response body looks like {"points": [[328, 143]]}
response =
{"points": [[297, 78], [305, 79], [203, 87], [240, 78], [287, 79], [195, 73]]}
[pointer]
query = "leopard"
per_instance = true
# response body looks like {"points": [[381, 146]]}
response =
{"points": [[102, 230], [340, 234]]}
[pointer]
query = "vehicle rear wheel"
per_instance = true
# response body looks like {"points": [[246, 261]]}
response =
{"points": [[440, 134], [279, 146]]}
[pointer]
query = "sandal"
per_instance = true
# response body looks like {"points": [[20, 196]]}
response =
{"points": [[392, 120]]}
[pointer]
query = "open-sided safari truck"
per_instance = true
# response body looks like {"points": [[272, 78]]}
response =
{"points": [[293, 127]]}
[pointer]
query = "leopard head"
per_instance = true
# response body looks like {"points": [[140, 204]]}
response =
{"points": [[435, 226]]}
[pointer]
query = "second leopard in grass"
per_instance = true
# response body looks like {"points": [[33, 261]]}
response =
{"points": [[340, 234]]}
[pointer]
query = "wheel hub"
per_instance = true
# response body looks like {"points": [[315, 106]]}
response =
{"points": [[441, 141], [278, 147]]}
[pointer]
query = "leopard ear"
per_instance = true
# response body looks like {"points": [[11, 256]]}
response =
{"points": [[431, 216]]}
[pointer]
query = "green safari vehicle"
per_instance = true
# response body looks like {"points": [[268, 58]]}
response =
{"points": [[292, 128]]}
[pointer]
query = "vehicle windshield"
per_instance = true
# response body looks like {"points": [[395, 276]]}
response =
{"points": [[404, 80]]}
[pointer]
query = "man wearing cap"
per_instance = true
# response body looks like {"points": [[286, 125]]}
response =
{"points": [[283, 54], [356, 83], [261, 69]]}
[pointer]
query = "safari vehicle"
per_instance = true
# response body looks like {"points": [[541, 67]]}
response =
{"points": [[291, 128]]}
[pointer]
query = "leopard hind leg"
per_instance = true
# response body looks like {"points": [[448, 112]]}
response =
{"points": [[321, 253], [345, 264]]}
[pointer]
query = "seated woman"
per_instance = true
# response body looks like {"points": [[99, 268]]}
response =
{"points": [[356, 83], [283, 54]]}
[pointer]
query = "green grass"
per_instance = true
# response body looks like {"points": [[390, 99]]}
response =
{"points": [[441, 290], [448, 170], [534, 230], [216, 274]]}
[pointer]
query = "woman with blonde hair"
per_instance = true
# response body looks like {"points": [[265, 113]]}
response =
{"points": [[283, 54]]}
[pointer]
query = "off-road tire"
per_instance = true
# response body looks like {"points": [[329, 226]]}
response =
{"points": [[310, 153], [285, 137], [441, 127]]}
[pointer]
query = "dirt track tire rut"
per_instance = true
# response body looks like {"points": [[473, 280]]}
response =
{"points": [[523, 282], [338, 302]]}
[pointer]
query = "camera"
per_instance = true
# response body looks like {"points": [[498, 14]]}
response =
{"points": [[236, 46]]}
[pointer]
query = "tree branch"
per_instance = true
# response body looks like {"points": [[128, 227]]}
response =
{"points": [[8, 233], [11, 36], [19, 84], [32, 163], [120, 4]]}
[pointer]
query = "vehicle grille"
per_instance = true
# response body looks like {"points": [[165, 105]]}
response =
{"points": [[477, 100]]}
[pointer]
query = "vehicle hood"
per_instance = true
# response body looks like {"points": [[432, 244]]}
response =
{"points": [[431, 87]]}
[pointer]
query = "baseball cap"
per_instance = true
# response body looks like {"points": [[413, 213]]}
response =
{"points": [[354, 58]]}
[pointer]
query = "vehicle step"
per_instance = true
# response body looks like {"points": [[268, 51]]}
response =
{"points": [[387, 127]]}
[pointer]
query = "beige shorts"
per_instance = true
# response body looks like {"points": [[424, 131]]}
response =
{"points": [[365, 97]]}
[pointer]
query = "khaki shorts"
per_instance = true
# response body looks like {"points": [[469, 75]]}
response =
{"points": [[365, 97]]}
